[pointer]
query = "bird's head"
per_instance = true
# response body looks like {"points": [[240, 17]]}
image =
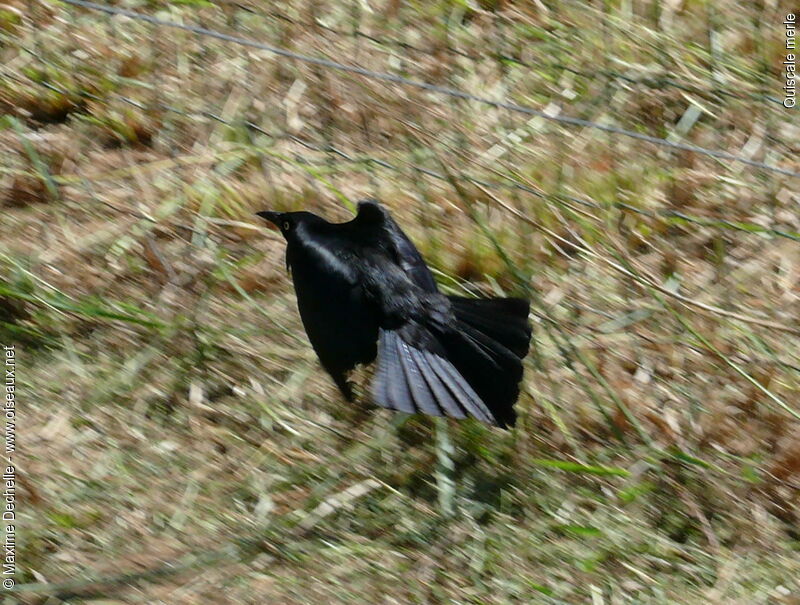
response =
{"points": [[288, 222]]}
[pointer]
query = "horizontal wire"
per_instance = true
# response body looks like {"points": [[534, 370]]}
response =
{"points": [[435, 88], [655, 81], [330, 149]]}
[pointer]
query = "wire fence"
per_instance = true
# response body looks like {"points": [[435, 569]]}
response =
{"points": [[733, 223], [656, 81], [510, 182], [435, 88]]}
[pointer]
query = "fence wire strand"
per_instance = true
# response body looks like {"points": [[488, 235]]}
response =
{"points": [[510, 183], [434, 88], [655, 81]]}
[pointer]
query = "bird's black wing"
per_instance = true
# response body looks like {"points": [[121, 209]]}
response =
{"points": [[341, 325], [370, 212]]}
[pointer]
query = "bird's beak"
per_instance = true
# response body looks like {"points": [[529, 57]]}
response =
{"points": [[272, 217]]}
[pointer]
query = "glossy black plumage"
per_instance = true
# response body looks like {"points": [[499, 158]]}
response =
{"points": [[364, 291]]}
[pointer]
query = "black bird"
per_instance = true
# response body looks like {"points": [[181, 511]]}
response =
{"points": [[363, 291]]}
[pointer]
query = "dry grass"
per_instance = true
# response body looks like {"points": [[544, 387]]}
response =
{"points": [[173, 408]]}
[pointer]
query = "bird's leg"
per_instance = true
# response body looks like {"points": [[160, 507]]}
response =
{"points": [[354, 388], [445, 469]]}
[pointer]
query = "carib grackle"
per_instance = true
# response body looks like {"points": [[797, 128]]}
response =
{"points": [[363, 292]]}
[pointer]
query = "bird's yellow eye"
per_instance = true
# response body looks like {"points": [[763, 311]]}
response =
{"points": [[286, 225]]}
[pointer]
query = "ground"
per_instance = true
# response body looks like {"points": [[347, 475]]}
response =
{"points": [[178, 442]]}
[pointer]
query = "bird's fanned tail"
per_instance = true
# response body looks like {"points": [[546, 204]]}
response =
{"points": [[473, 370], [505, 320], [418, 381], [487, 348]]}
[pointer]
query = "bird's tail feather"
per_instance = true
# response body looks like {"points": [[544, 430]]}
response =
{"points": [[504, 320], [488, 347], [472, 371], [416, 380]]}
